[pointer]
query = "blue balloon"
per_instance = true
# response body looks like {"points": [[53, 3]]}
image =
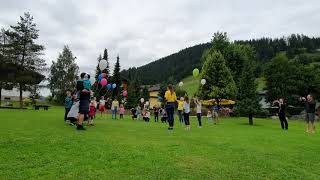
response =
{"points": [[109, 86], [114, 86], [160, 98], [100, 77]]}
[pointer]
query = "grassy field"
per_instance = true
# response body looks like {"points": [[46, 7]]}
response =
{"points": [[38, 145]]}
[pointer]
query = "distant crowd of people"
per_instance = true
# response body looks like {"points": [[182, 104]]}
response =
{"points": [[81, 106]]}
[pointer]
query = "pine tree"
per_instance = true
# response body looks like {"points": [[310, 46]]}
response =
{"points": [[107, 70], [63, 74], [116, 79], [248, 100], [26, 53], [220, 84]]}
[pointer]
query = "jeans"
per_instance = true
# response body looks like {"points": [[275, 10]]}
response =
{"points": [[284, 122], [66, 113], [114, 113], [181, 116], [170, 112], [199, 119], [186, 118]]}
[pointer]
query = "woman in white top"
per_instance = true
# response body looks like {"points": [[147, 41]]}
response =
{"points": [[199, 107]]}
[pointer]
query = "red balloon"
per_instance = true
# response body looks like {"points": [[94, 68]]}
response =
{"points": [[125, 93], [104, 75], [103, 82]]}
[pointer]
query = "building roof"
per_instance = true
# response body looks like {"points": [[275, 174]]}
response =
{"points": [[154, 88]]}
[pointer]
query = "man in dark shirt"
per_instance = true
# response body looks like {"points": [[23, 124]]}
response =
{"points": [[282, 113], [84, 97], [310, 107]]}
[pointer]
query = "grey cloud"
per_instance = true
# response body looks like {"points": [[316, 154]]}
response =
{"points": [[145, 30]]}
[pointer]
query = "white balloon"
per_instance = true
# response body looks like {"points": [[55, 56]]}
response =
{"points": [[180, 83], [103, 64], [203, 81], [147, 103], [141, 100]]}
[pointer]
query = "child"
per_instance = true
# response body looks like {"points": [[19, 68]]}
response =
{"points": [[209, 116], [86, 82], [199, 107], [133, 114], [156, 113], [216, 114], [138, 112], [164, 116], [67, 104], [121, 111], [102, 105], [92, 112], [180, 109], [146, 115], [186, 112]]}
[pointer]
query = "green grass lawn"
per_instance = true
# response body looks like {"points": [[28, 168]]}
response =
{"points": [[38, 145]]}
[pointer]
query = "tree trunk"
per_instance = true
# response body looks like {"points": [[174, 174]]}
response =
{"points": [[20, 97], [250, 119]]}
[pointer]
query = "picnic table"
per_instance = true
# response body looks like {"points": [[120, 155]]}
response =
{"points": [[45, 107]]}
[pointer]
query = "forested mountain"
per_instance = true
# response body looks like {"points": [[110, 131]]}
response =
{"points": [[177, 66], [171, 68]]}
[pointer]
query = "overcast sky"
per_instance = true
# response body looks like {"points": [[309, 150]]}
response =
{"points": [[141, 31]]}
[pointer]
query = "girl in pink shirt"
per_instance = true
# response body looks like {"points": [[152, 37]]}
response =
{"points": [[121, 111]]}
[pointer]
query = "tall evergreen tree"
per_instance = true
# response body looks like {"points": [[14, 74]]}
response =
{"points": [[63, 74], [220, 84], [26, 51], [248, 99], [116, 79], [105, 57]]}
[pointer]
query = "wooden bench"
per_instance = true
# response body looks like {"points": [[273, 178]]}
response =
{"points": [[37, 107]]}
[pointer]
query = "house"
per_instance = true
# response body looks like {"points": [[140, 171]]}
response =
{"points": [[154, 93]]}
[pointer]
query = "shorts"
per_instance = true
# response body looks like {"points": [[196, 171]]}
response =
{"points": [[102, 108], [310, 117], [84, 106]]}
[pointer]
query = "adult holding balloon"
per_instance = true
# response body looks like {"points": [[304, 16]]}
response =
{"points": [[171, 99]]}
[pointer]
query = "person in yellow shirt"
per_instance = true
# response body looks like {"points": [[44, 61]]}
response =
{"points": [[171, 99], [180, 110], [114, 108]]}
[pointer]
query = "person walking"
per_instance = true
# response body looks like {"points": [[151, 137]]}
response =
{"points": [[171, 100], [67, 104], [282, 113], [310, 107], [199, 111]]}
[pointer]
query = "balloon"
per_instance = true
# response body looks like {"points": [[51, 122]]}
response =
{"points": [[125, 93], [181, 84], [203, 81], [141, 100], [195, 72], [160, 98], [147, 103], [103, 64], [104, 75], [114, 86], [103, 82], [100, 77], [109, 86]]}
